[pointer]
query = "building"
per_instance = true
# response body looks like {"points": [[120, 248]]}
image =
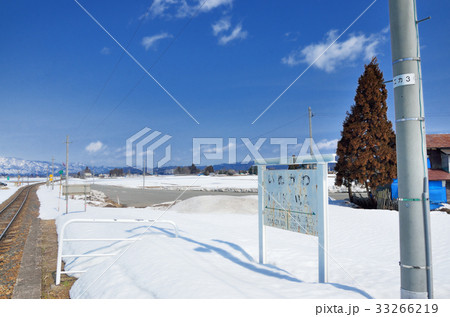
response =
{"points": [[86, 173], [438, 151]]}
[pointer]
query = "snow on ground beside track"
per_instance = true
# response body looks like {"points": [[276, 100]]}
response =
{"points": [[8, 191], [216, 255]]}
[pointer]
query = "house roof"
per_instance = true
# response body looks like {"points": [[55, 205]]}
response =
{"points": [[438, 175], [438, 141]]}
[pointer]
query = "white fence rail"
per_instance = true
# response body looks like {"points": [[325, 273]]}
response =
{"points": [[61, 239]]}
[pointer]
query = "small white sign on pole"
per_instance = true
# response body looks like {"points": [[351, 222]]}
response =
{"points": [[404, 80], [295, 200], [76, 189]]}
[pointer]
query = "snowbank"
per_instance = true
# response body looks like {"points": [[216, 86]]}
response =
{"points": [[219, 204], [356, 188]]}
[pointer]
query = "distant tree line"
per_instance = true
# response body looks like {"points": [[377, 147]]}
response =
{"points": [[116, 172], [208, 170], [186, 170]]}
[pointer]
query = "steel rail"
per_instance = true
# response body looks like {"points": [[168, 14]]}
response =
{"points": [[18, 210], [13, 200]]}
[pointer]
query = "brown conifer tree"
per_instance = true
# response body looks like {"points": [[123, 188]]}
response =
{"points": [[366, 151]]}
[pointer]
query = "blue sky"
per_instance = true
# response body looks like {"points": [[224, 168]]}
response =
{"points": [[225, 65]]}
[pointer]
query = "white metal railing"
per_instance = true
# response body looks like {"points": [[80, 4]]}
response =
{"points": [[61, 240]]}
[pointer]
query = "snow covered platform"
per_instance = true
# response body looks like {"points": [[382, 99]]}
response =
{"points": [[216, 254]]}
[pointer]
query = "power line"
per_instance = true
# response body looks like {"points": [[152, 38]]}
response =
{"points": [[112, 72], [277, 128], [133, 88], [310, 65], [136, 61]]}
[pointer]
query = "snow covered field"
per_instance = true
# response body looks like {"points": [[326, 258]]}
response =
{"points": [[6, 192], [216, 254], [248, 183], [192, 182]]}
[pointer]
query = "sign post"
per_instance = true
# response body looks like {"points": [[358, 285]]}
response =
{"points": [[75, 189], [261, 230], [295, 199]]}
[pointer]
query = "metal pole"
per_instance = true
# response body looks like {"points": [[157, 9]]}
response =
{"points": [[67, 174], [143, 173], [415, 251], [310, 131], [261, 228], [323, 225], [53, 173]]}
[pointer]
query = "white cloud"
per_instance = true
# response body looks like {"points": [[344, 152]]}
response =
{"points": [[237, 34], [94, 147], [325, 144], [149, 41], [105, 51], [158, 7], [212, 4], [181, 9], [221, 26], [354, 47]]}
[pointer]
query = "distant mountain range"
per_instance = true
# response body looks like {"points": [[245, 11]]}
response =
{"points": [[12, 166]]}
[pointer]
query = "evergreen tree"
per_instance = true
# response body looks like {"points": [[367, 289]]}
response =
{"points": [[366, 151], [208, 170], [193, 169]]}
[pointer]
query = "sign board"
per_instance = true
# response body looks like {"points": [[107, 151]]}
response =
{"points": [[76, 189], [60, 172], [290, 200], [295, 200], [404, 79]]}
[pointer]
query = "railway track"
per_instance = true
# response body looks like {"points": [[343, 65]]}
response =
{"points": [[10, 212], [15, 221]]}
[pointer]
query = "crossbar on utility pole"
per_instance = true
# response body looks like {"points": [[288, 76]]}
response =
{"points": [[415, 245]]}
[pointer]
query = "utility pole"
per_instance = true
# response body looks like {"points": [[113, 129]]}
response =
{"points": [[413, 201], [143, 172], [67, 174], [310, 115], [53, 173]]}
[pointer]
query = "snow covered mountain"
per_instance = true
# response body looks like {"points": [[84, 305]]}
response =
{"points": [[11, 165]]}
